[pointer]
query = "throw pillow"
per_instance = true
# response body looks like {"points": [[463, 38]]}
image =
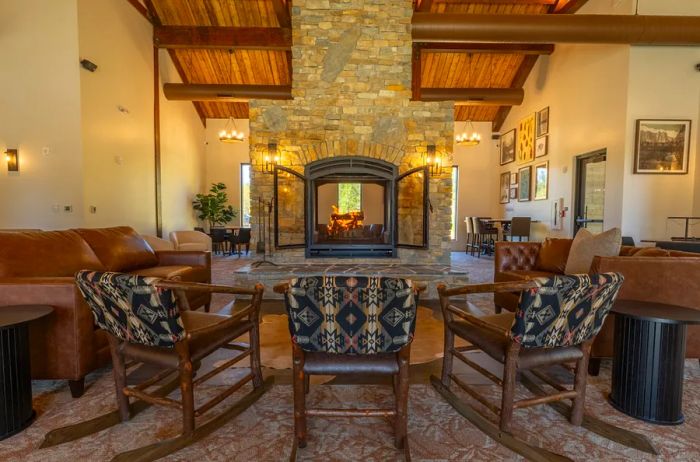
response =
{"points": [[119, 249], [553, 255], [587, 245]]}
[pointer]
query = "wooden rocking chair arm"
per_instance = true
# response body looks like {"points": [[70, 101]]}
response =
{"points": [[211, 288], [281, 288], [493, 287], [474, 320]]}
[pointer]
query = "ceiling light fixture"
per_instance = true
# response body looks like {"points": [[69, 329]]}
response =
{"points": [[467, 139], [230, 133]]}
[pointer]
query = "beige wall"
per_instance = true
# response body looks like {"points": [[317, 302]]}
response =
{"points": [[585, 89], [223, 161], [119, 173], [671, 94], [40, 108], [478, 180]]}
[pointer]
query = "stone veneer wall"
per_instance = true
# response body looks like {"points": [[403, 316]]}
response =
{"points": [[352, 89]]}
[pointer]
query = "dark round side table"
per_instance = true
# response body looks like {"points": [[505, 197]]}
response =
{"points": [[16, 412], [649, 358]]}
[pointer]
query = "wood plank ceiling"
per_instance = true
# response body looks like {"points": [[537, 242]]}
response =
{"points": [[239, 66], [439, 68]]}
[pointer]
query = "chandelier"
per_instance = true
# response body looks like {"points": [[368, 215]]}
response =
{"points": [[230, 133], [467, 139]]}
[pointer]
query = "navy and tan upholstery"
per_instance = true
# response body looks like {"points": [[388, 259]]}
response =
{"points": [[132, 308], [351, 315]]}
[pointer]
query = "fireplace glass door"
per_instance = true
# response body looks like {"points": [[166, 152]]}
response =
{"points": [[412, 208], [351, 212], [290, 199]]}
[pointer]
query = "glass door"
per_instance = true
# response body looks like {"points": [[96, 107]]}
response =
{"points": [[590, 192], [290, 208], [412, 208]]}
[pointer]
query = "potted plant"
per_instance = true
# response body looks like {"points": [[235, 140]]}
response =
{"points": [[214, 207]]}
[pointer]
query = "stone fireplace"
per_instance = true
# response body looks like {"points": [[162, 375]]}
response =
{"points": [[351, 113]]}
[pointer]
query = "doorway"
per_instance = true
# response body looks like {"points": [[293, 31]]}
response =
{"points": [[590, 191]]}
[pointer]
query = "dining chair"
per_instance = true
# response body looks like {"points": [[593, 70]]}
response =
{"points": [[470, 234], [351, 325], [485, 235], [148, 320], [520, 227], [219, 239], [244, 236], [556, 322]]}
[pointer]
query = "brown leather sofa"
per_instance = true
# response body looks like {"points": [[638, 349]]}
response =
{"points": [[39, 268], [651, 274]]}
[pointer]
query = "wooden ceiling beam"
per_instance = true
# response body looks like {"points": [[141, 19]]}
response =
{"points": [[225, 92], [519, 48], [424, 6], [568, 6], [556, 28], [281, 8], [474, 96], [251, 38]]}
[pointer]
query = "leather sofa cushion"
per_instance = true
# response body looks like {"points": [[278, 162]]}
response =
{"points": [[652, 252], [45, 253], [553, 255], [120, 248]]}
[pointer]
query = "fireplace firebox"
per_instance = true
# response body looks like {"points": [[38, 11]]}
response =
{"points": [[351, 207]]}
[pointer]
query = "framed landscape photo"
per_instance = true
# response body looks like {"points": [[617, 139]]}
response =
{"points": [[526, 140], [662, 146], [542, 146], [508, 147], [543, 122], [505, 187], [541, 181], [524, 183]]}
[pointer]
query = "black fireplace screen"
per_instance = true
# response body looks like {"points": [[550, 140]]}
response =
{"points": [[351, 206]]}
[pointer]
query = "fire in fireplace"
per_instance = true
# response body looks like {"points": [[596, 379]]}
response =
{"points": [[353, 206]]}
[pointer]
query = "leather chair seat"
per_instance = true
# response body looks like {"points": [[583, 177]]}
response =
{"points": [[202, 343], [495, 345], [318, 363]]}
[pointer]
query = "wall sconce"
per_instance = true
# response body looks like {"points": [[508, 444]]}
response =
{"points": [[271, 158], [12, 157], [433, 161]]}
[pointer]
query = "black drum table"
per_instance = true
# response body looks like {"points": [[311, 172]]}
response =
{"points": [[648, 360], [16, 412]]}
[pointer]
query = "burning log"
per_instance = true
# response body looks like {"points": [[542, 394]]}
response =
{"points": [[343, 222]]}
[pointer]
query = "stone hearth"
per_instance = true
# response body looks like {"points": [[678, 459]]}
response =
{"points": [[352, 97]]}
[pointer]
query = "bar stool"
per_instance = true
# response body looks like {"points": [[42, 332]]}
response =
{"points": [[470, 234], [484, 234]]}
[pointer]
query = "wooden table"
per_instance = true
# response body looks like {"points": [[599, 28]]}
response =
{"points": [[649, 358], [16, 412]]}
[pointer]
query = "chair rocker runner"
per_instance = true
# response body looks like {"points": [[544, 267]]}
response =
{"points": [[351, 325], [148, 321], [556, 322]]}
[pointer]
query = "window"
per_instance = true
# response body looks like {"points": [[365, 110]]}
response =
{"points": [[455, 188], [245, 195], [349, 197]]}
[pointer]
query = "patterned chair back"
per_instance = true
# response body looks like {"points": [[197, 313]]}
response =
{"points": [[351, 314], [564, 310], [132, 308]]}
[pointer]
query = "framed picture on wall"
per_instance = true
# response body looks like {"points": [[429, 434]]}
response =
{"points": [[524, 183], [514, 179], [662, 146], [505, 186], [526, 140], [542, 146], [513, 192], [541, 181], [543, 122], [508, 147]]}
